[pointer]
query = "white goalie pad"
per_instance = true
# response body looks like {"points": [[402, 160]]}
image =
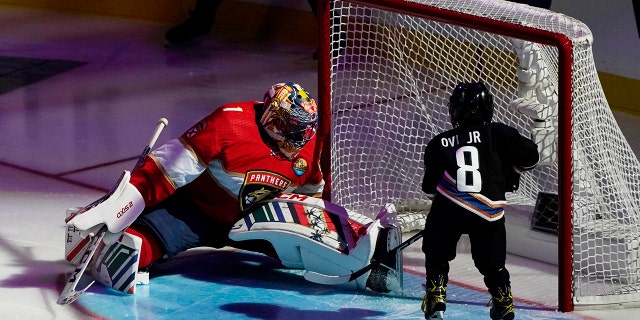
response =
{"points": [[74, 243], [116, 265], [313, 234]]}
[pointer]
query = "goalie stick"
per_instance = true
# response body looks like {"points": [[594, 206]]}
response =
{"points": [[333, 280], [78, 282]]}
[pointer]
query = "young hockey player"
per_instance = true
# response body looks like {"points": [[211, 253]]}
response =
{"points": [[192, 191], [468, 169]]}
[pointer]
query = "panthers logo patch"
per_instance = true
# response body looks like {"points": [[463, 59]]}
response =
{"points": [[260, 186]]}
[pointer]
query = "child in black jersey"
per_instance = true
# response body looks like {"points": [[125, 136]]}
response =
{"points": [[468, 169]]}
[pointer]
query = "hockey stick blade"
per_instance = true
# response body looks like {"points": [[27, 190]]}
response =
{"points": [[78, 278], [334, 280]]}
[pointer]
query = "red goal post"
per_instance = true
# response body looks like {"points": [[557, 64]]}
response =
{"points": [[386, 68]]}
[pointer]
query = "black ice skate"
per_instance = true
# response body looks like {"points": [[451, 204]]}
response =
{"points": [[434, 303], [502, 304]]}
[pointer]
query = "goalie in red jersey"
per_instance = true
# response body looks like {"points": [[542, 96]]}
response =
{"points": [[468, 169], [223, 173]]}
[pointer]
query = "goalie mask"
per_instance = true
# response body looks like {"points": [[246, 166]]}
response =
{"points": [[470, 104], [290, 117]]}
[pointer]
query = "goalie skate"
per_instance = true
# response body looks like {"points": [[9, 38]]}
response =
{"points": [[387, 276]]}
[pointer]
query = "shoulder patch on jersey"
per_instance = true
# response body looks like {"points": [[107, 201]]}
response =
{"points": [[300, 166], [195, 129], [259, 186]]}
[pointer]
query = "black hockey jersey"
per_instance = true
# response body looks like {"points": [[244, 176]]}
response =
{"points": [[474, 166]]}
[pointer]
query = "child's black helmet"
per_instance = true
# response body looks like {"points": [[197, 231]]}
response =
{"points": [[470, 104]]}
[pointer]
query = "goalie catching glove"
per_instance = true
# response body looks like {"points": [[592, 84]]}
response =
{"points": [[118, 211]]}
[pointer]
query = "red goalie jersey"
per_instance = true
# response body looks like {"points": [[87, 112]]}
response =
{"points": [[226, 165]]}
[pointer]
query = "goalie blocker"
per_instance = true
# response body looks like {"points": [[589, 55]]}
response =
{"points": [[305, 232]]}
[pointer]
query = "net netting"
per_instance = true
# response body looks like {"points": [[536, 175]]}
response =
{"points": [[392, 68]]}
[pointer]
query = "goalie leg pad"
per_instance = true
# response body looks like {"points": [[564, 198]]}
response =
{"points": [[304, 234], [297, 250], [116, 266], [388, 276], [75, 243]]}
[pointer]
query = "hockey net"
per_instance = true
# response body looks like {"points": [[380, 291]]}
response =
{"points": [[387, 68]]}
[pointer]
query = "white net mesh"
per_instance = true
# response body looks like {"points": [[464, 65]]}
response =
{"points": [[391, 73]]}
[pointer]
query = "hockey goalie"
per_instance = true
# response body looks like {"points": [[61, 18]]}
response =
{"points": [[243, 177]]}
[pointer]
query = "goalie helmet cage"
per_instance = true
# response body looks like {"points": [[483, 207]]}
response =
{"points": [[386, 70]]}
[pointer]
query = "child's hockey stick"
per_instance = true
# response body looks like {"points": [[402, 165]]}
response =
{"points": [[78, 282], [333, 280]]}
